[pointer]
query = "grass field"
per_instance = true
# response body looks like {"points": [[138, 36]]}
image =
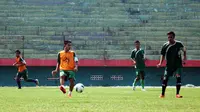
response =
{"points": [[100, 99]]}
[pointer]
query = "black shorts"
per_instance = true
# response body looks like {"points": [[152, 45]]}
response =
{"points": [[172, 72], [23, 74]]}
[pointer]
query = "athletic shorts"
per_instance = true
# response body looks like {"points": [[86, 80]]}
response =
{"points": [[23, 74], [68, 74], [139, 71], [173, 72]]}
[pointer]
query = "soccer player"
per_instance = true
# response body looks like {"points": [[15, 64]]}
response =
{"points": [[22, 70], [138, 59], [171, 51], [67, 63]]}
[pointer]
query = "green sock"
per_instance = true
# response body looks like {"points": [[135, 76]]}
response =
{"points": [[142, 83], [134, 83]]}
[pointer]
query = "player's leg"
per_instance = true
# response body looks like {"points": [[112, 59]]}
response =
{"points": [[165, 81], [71, 86], [137, 78], [178, 82], [25, 76], [71, 75], [18, 76], [62, 81], [142, 74]]}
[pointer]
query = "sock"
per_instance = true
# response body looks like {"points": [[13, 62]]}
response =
{"points": [[142, 83], [164, 85], [178, 84], [69, 93], [31, 80], [135, 83], [19, 84], [178, 87], [62, 86], [163, 90]]}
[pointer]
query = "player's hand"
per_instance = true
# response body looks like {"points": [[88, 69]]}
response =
{"points": [[14, 64], [134, 62], [159, 65], [184, 62], [54, 72], [76, 69]]}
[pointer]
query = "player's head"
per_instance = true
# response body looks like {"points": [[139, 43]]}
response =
{"points": [[67, 45], [137, 44], [17, 52], [171, 36]]}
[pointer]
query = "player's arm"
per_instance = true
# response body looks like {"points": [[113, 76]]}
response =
{"points": [[133, 57], [145, 57], [76, 62], [184, 53], [162, 57], [23, 62], [14, 64], [57, 65], [161, 60]]}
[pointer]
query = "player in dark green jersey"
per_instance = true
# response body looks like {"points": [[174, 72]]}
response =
{"points": [[138, 58], [171, 51]]}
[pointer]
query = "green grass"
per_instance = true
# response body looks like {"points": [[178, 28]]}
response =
{"points": [[102, 99]]}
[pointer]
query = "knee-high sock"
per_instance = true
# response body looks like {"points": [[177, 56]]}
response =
{"points": [[18, 82], [30, 80], [164, 85], [142, 83], [135, 82], [178, 85]]}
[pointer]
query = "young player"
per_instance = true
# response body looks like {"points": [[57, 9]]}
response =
{"points": [[67, 63], [22, 70], [138, 58], [171, 50]]}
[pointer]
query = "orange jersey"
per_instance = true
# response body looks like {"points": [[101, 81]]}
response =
{"points": [[19, 60], [66, 60]]}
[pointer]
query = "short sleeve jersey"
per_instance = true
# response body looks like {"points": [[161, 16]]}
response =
{"points": [[138, 56], [172, 53]]}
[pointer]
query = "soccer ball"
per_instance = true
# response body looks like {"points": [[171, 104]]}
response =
{"points": [[79, 87]]}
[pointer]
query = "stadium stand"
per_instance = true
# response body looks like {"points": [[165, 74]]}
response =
{"points": [[99, 29]]}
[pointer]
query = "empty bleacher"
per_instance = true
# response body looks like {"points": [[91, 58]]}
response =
{"points": [[98, 28]]}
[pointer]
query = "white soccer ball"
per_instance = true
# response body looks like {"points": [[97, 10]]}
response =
{"points": [[79, 87]]}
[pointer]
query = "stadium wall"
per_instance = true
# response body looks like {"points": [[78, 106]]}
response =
{"points": [[97, 73]]}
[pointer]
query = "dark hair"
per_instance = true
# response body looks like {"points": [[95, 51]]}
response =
{"points": [[18, 51], [137, 42], [67, 41], [171, 33]]}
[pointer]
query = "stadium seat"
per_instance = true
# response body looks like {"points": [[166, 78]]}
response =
{"points": [[104, 29]]}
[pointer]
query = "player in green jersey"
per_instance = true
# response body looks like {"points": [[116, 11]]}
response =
{"points": [[171, 51], [138, 58]]}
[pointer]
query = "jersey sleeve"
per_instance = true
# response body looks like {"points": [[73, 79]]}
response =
{"points": [[75, 57], [58, 58], [143, 51], [163, 50], [22, 60], [181, 46], [133, 55]]}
